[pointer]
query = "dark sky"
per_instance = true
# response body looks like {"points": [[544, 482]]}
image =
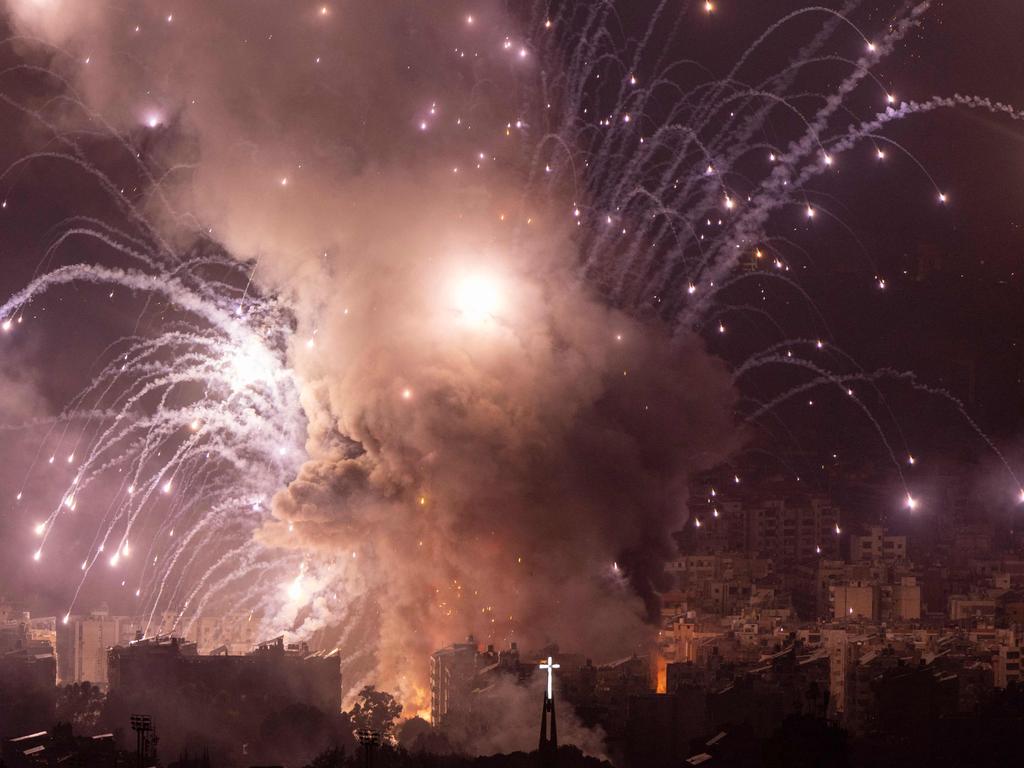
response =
{"points": [[953, 308]]}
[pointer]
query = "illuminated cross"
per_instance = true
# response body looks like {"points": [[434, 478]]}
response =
{"points": [[550, 668]]}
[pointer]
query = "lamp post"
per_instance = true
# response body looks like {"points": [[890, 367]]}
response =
{"points": [[143, 726], [369, 738]]}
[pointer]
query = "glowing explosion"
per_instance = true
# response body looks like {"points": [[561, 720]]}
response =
{"points": [[453, 379]]}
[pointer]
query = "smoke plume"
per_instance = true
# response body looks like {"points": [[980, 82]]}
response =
{"points": [[492, 448]]}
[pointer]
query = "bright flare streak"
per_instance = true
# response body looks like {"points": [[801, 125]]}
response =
{"points": [[114, 560], [38, 554], [65, 619], [167, 487], [911, 502], [40, 529], [6, 326]]}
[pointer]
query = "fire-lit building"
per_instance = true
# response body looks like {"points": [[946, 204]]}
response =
{"points": [[451, 680]]}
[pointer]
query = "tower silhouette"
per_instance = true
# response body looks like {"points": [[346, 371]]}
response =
{"points": [[547, 749]]}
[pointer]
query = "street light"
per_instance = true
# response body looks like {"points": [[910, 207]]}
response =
{"points": [[369, 738], [143, 726]]}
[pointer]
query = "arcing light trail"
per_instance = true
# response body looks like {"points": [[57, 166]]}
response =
{"points": [[669, 207], [665, 176], [192, 429]]}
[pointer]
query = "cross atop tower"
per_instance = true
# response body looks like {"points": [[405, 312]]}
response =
{"points": [[548, 745], [550, 667]]}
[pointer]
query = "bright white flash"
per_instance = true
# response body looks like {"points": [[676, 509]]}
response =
{"points": [[251, 363], [477, 298]]}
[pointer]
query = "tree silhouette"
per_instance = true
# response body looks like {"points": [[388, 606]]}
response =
{"points": [[81, 705], [377, 710]]}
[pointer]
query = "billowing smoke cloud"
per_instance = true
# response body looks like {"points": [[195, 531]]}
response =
{"points": [[504, 720], [487, 438]]}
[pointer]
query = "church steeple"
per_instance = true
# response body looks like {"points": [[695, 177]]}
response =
{"points": [[548, 747]]}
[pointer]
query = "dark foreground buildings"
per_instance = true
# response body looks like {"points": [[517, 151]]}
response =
{"points": [[239, 708], [28, 674]]}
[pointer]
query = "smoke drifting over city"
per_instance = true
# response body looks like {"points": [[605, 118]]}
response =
{"points": [[492, 448]]}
